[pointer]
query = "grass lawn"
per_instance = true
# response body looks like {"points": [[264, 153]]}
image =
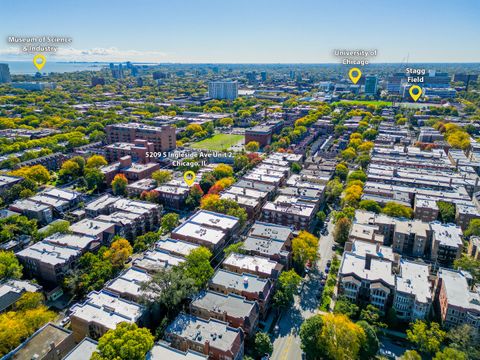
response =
{"points": [[218, 142]]}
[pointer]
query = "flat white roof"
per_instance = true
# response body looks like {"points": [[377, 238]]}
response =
{"points": [[413, 279]]}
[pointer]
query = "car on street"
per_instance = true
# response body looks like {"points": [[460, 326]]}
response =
{"points": [[327, 269]]}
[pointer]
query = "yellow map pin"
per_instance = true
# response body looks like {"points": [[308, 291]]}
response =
{"points": [[39, 61], [189, 177], [355, 74], [415, 92]]}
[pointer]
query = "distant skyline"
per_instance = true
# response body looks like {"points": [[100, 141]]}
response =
{"points": [[262, 31]]}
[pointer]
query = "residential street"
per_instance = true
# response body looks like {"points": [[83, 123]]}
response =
{"points": [[286, 343]]}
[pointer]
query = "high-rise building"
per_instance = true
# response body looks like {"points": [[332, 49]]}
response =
{"points": [[394, 83], [4, 74], [227, 90], [371, 83], [436, 79], [263, 74]]}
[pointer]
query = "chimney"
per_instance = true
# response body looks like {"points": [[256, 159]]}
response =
{"points": [[125, 161], [206, 347]]}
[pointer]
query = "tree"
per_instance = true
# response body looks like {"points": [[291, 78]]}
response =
{"points": [[288, 283], [142, 242], [333, 189], [94, 178], [226, 122], [29, 300], [263, 344], [96, 161], [119, 252], [69, 170], [372, 315], [341, 170], [240, 161], [394, 209], [450, 354], [212, 202], [370, 205], [162, 176], [349, 154], [10, 268], [342, 230], [411, 355], [126, 342], [252, 146], [310, 332], [346, 307], [234, 248], [352, 195], [371, 346], [37, 173], [427, 338], [222, 171], [321, 217], [197, 266], [295, 167], [80, 162], [340, 338], [119, 184], [473, 228], [206, 183], [446, 212], [357, 175], [169, 221], [168, 288], [465, 338], [469, 264], [59, 226], [193, 199], [305, 248]]}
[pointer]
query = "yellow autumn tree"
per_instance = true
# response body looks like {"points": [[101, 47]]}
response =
{"points": [[119, 252]]}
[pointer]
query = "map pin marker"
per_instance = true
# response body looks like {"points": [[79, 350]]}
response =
{"points": [[39, 61]]}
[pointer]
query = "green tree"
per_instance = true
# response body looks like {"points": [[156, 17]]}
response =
{"points": [[168, 288], [465, 338], [372, 315], [427, 338], [341, 170], [333, 189], [10, 268], [240, 161], [212, 202], [304, 248], [446, 212], [252, 146], [263, 344], [194, 196], [288, 283], [170, 221], [234, 248], [349, 154], [342, 230], [450, 354], [295, 167], [96, 161], [321, 217], [94, 178], [371, 346], [126, 342], [310, 332], [473, 228], [397, 210], [469, 264], [29, 300], [59, 226], [119, 184], [370, 205], [197, 266], [346, 307], [162, 176], [410, 355], [357, 175]]}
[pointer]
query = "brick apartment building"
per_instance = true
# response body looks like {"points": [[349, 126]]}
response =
{"points": [[163, 138]]}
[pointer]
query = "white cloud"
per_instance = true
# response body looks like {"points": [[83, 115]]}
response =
{"points": [[94, 54]]}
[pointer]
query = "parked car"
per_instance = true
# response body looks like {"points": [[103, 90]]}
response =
{"points": [[329, 262]]}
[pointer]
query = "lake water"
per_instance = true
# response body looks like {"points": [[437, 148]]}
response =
{"points": [[27, 67]]}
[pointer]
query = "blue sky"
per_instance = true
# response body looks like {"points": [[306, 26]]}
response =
{"points": [[261, 31]]}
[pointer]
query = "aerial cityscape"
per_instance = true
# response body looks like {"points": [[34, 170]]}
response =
{"points": [[224, 180]]}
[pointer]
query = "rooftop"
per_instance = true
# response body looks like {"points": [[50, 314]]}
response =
{"points": [[178, 247], [252, 263], [49, 253], [83, 350], [162, 351], [218, 333], [232, 304], [413, 279], [457, 290]]}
